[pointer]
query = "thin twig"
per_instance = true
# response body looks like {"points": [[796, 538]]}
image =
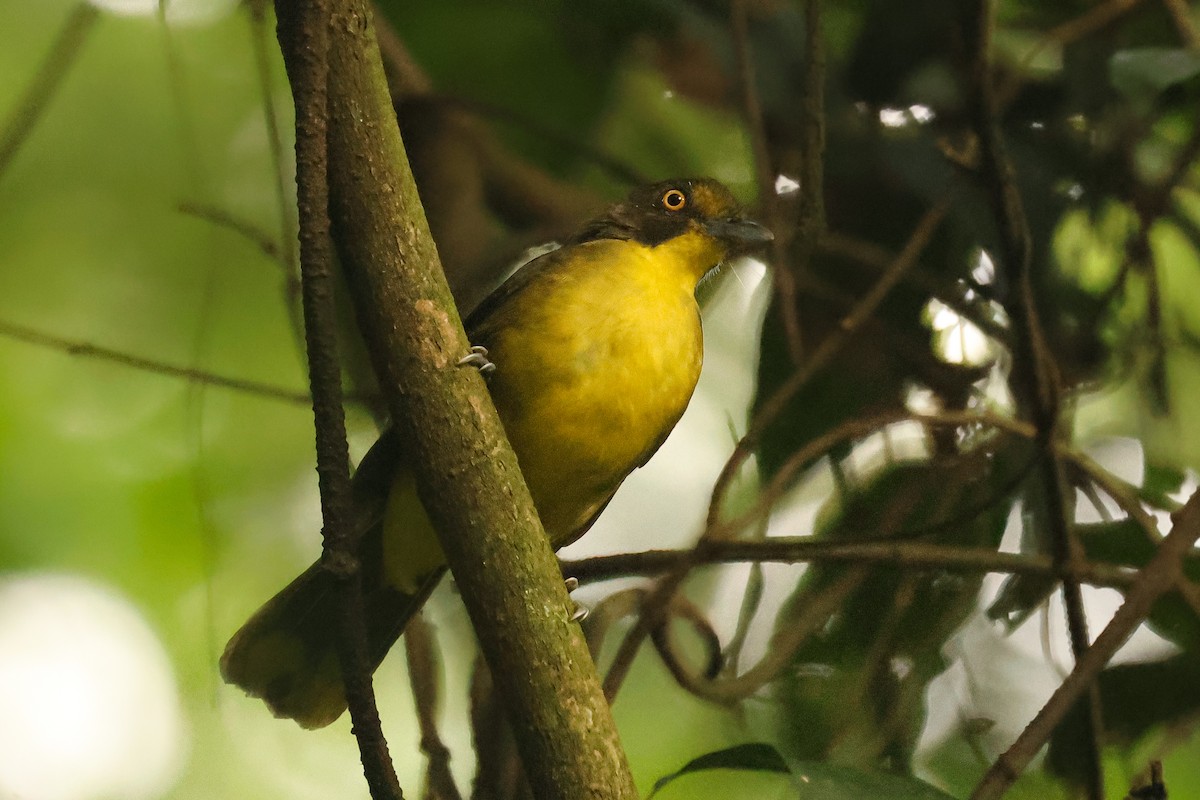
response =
{"points": [[420, 646], [1181, 18], [912, 554], [262, 65], [1125, 496], [687, 611], [804, 549], [752, 597], [1089, 22], [1034, 373], [829, 347], [498, 771], [1158, 576], [607, 613], [850, 430], [812, 130], [304, 36], [622, 662], [244, 228], [31, 105], [764, 172], [74, 347], [752, 110], [1094, 19], [879, 259], [786, 642]]}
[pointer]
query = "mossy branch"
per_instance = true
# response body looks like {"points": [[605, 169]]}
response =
{"points": [[466, 472]]}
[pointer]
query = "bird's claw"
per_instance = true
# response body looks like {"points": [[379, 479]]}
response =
{"points": [[580, 612], [478, 358]]}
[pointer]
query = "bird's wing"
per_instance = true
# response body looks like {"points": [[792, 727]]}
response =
{"points": [[476, 322]]}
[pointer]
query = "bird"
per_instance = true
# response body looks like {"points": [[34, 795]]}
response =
{"points": [[591, 354]]}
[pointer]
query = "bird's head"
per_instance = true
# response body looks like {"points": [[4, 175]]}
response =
{"points": [[698, 217]]}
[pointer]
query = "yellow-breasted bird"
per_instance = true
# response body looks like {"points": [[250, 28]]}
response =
{"points": [[596, 350]]}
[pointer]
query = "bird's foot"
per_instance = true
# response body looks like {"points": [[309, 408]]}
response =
{"points": [[478, 358], [581, 611]]}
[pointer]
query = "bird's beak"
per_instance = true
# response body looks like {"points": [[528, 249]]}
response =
{"points": [[738, 232]]}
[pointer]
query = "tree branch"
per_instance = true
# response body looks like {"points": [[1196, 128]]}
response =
{"points": [[781, 650], [304, 39], [800, 549], [1181, 18], [1034, 374], [1157, 578], [420, 646], [764, 172], [824, 353], [466, 472], [74, 347], [286, 250], [58, 62]]}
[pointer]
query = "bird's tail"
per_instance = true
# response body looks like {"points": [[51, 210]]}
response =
{"points": [[286, 654]]}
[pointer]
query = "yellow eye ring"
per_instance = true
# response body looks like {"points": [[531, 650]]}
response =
{"points": [[674, 200]]}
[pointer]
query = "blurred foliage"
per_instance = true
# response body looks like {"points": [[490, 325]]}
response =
{"points": [[855, 691], [809, 779], [150, 211]]}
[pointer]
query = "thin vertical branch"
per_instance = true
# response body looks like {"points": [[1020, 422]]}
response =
{"points": [[260, 41], [262, 65], [420, 646], [33, 101], [752, 108], [764, 172], [498, 773], [1157, 578], [1035, 378], [304, 38], [812, 130], [810, 222], [1149, 786]]}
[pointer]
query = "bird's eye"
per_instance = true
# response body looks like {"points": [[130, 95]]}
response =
{"points": [[674, 200]]}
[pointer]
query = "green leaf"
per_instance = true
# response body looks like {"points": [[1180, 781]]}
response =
{"points": [[1141, 74], [814, 780], [1136, 699], [1121, 542], [754, 756], [1124, 542], [1160, 483], [819, 781]]}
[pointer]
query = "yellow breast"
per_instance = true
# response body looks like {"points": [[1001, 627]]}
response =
{"points": [[595, 362]]}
